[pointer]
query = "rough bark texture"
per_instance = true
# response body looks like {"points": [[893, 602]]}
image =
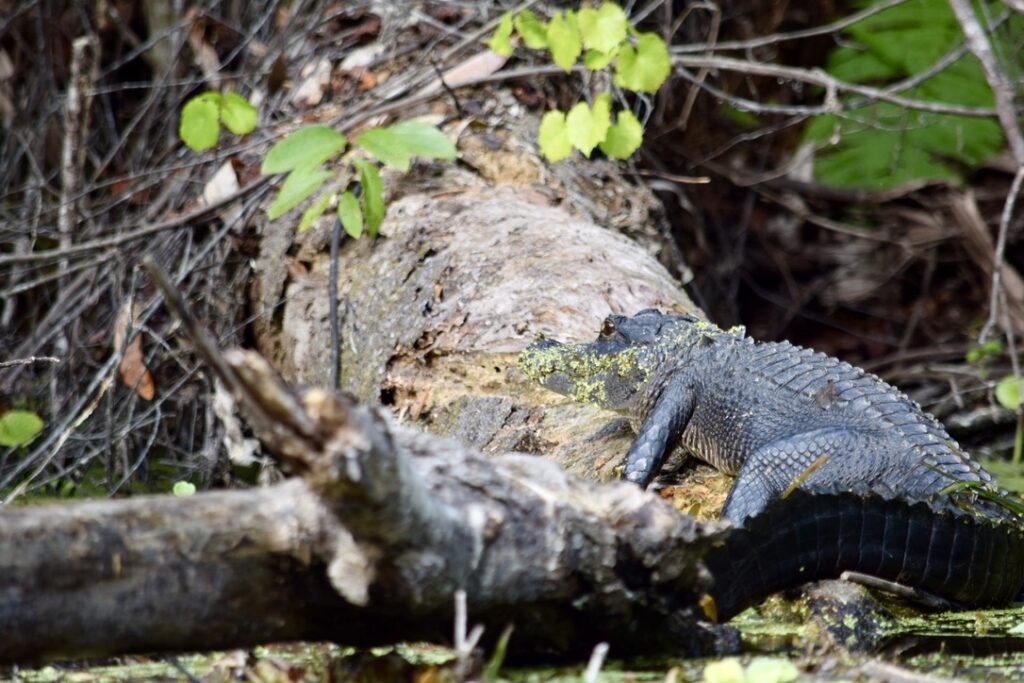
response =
{"points": [[386, 523], [461, 280], [367, 548]]}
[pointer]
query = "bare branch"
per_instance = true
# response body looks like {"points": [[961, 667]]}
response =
{"points": [[821, 78], [978, 43]]}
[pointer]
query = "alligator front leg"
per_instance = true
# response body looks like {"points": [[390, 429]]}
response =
{"points": [[660, 432]]}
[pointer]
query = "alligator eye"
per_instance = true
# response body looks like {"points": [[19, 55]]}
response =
{"points": [[607, 328]]}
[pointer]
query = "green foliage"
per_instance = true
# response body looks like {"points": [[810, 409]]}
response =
{"points": [[989, 349], [588, 126], [202, 115], [373, 195], [298, 185], [183, 489], [350, 215], [624, 136], [760, 670], [602, 35], [1008, 392], [302, 153], [395, 144], [19, 427], [305, 148], [500, 42], [553, 136], [645, 67], [564, 40], [883, 145]]}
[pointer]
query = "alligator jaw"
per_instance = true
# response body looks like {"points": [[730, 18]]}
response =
{"points": [[607, 375]]}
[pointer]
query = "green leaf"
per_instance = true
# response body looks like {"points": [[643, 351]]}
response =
{"points": [[603, 29], [532, 30], [373, 195], [198, 127], [624, 137], [298, 185], [500, 42], [881, 145], [237, 114], [564, 40], [771, 670], [350, 214], [19, 427], [728, 670], [595, 61], [1008, 392], [990, 348], [315, 211], [183, 489], [553, 137], [395, 144], [644, 68], [587, 127], [307, 147]]}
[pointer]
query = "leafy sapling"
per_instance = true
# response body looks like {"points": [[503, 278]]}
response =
{"points": [[602, 37], [203, 115]]}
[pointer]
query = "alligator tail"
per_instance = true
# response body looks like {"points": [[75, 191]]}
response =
{"points": [[967, 559]]}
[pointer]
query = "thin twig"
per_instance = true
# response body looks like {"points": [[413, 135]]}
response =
{"points": [[28, 361], [595, 663], [821, 78], [764, 41], [999, 254], [978, 43]]}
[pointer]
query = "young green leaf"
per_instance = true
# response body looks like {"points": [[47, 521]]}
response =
{"points": [[595, 60], [373, 195], [297, 185], [423, 139], [553, 137], [307, 147], [1008, 392], [183, 489], [624, 137], [532, 30], [564, 39], [237, 114], [644, 68], [602, 29], [198, 127], [395, 144], [315, 210], [350, 215], [19, 427], [587, 126], [500, 42]]}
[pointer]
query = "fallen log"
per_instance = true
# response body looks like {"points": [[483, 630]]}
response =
{"points": [[365, 547]]}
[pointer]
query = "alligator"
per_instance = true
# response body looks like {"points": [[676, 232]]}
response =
{"points": [[835, 469]]}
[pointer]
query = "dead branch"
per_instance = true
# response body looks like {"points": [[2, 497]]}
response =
{"points": [[367, 548]]}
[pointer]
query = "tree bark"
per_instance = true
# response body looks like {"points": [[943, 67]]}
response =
{"points": [[367, 546]]}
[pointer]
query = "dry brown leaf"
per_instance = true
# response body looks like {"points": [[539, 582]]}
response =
{"points": [[134, 372]]}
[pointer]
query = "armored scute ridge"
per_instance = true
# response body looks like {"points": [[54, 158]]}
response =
{"points": [[835, 469]]}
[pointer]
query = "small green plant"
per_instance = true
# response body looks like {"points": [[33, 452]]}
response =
{"points": [[600, 36], [1008, 392], [302, 154], [883, 145], [202, 116], [183, 489], [19, 428]]}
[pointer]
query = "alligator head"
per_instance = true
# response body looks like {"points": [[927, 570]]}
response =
{"points": [[610, 370]]}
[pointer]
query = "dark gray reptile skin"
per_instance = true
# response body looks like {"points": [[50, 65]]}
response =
{"points": [[762, 411]]}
